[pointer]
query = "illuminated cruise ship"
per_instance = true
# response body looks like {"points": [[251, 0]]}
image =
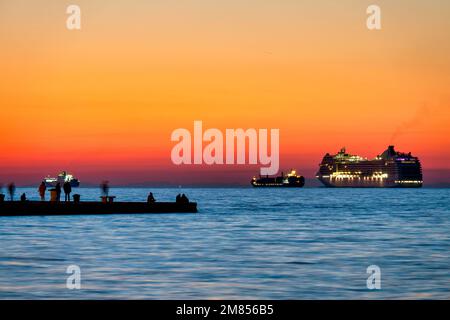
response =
{"points": [[391, 169], [62, 177]]}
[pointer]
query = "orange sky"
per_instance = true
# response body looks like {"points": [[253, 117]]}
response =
{"points": [[102, 102]]}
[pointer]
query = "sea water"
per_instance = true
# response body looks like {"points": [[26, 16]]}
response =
{"points": [[309, 243]]}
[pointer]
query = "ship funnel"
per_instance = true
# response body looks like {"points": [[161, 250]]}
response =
{"points": [[389, 153]]}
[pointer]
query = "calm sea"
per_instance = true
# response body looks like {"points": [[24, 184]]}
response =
{"points": [[311, 243]]}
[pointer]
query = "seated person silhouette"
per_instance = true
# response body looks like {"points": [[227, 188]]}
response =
{"points": [[184, 199], [150, 198]]}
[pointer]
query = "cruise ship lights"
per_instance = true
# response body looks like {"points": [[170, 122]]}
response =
{"points": [[341, 175]]}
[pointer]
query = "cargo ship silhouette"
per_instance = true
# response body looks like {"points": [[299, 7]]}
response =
{"points": [[289, 180], [391, 169]]}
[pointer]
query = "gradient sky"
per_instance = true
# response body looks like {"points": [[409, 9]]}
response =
{"points": [[102, 102]]}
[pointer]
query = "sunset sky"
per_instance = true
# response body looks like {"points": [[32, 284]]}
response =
{"points": [[102, 102]]}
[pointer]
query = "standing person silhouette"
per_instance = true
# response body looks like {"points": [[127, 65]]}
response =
{"points": [[67, 190], [104, 186], [11, 190], [42, 189], [58, 192]]}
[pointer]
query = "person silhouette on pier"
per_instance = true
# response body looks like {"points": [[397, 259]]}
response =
{"points": [[23, 197], [150, 198], [58, 192], [67, 190], [104, 186], [42, 189], [184, 199], [11, 190]]}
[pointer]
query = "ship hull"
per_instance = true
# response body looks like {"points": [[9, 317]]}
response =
{"points": [[366, 184], [52, 184], [277, 186]]}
